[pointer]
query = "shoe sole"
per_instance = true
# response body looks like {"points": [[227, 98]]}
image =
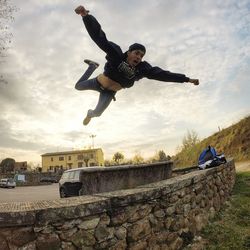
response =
{"points": [[86, 120], [89, 62]]}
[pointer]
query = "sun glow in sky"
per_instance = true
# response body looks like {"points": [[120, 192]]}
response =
{"points": [[41, 111]]}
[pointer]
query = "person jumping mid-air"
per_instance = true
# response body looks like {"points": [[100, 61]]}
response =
{"points": [[121, 69]]}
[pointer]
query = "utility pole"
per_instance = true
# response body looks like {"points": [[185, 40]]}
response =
{"points": [[92, 136]]}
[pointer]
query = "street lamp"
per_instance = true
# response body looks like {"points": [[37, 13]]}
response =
{"points": [[92, 136]]}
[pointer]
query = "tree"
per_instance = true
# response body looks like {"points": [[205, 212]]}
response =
{"points": [[137, 159], [107, 163], [6, 15], [162, 156], [38, 168], [34, 167], [190, 139], [118, 157], [7, 165], [86, 160], [188, 151]]}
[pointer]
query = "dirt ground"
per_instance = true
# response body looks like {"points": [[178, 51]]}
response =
{"points": [[242, 166]]}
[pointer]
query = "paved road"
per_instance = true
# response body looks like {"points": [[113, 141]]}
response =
{"points": [[33, 193]]}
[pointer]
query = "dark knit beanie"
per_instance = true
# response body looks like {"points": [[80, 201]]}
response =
{"points": [[138, 46]]}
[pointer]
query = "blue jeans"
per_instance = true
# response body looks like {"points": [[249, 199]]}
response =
{"points": [[105, 96]]}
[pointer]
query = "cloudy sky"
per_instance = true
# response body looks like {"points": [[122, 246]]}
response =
{"points": [[41, 111]]}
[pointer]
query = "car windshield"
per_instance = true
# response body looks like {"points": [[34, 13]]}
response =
{"points": [[71, 175], [65, 175], [77, 174]]}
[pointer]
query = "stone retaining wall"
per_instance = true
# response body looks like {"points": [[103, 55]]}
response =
{"points": [[162, 215], [98, 180]]}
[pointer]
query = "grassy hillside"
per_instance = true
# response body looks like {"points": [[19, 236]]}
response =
{"points": [[230, 229], [233, 141]]}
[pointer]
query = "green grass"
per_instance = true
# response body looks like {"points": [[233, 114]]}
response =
{"points": [[230, 229]]}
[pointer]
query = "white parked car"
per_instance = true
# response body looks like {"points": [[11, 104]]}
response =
{"points": [[8, 182]]}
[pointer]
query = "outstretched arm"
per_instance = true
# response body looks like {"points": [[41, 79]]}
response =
{"points": [[159, 74], [96, 33]]}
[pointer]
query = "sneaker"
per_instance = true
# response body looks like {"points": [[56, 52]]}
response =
{"points": [[90, 62], [86, 120]]}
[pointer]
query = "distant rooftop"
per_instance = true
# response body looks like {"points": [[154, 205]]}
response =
{"points": [[72, 152]]}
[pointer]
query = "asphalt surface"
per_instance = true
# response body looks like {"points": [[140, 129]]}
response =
{"points": [[32, 193]]}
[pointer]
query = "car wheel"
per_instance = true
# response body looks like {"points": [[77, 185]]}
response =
{"points": [[63, 193]]}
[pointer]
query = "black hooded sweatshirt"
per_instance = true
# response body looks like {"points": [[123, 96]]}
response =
{"points": [[116, 67]]}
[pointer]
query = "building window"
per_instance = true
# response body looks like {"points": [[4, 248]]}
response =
{"points": [[91, 156], [61, 158], [79, 164], [51, 158], [69, 157], [79, 157]]}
